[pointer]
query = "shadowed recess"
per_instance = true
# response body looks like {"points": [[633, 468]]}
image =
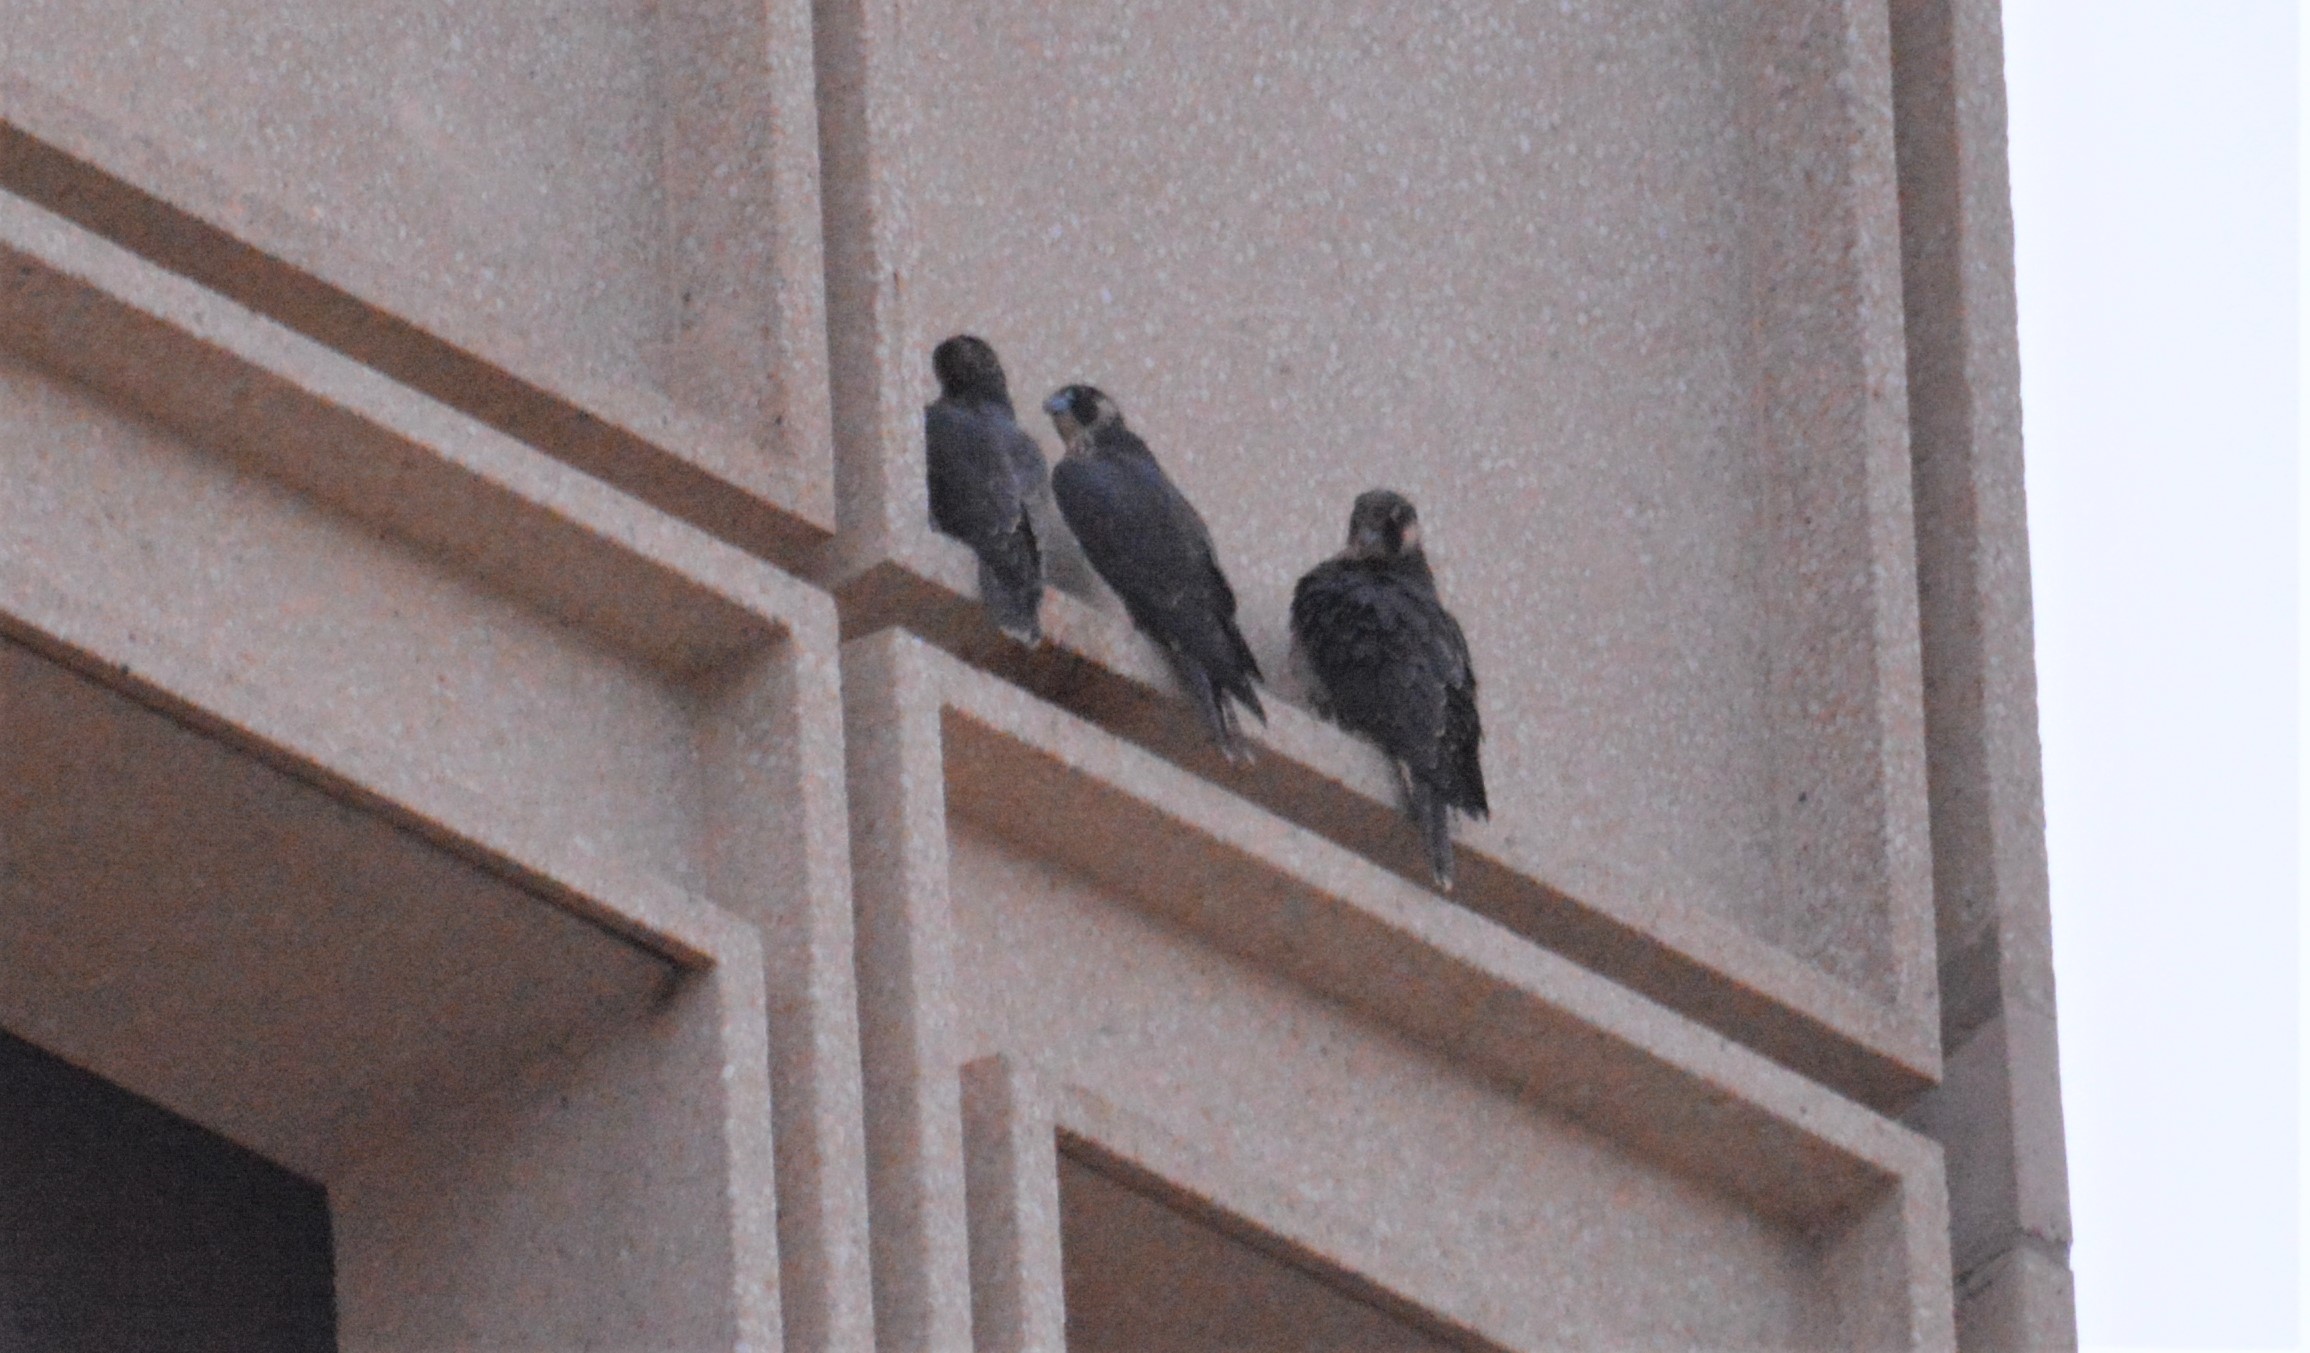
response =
{"points": [[1144, 1277], [125, 1227]]}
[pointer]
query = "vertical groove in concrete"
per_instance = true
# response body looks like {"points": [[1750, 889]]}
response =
{"points": [[1998, 1114]]}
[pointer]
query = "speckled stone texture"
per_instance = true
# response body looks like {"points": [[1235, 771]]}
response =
{"points": [[428, 817], [1611, 291], [1998, 1112], [487, 724], [1247, 1019], [458, 1064], [597, 221]]}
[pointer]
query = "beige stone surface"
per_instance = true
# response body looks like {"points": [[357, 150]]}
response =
{"points": [[2023, 1301], [445, 447], [1435, 1100], [481, 1079], [1613, 292], [595, 224], [443, 627], [1999, 1114], [1136, 1242]]}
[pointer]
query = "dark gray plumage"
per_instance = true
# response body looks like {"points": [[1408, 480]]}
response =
{"points": [[984, 471], [1392, 665], [1150, 545]]}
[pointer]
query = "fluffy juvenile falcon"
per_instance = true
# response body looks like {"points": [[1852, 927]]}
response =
{"points": [[984, 471], [1151, 546], [1392, 665]]}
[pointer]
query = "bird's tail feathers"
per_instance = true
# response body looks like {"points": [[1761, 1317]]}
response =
{"points": [[1246, 666], [1240, 688], [1011, 584], [1433, 816], [1235, 669], [1014, 604], [1218, 715], [1463, 766]]}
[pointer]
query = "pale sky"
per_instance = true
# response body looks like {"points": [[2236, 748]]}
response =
{"points": [[2155, 157]]}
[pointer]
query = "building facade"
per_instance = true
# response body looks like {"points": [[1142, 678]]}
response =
{"points": [[499, 757]]}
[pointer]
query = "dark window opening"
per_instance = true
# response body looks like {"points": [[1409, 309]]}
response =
{"points": [[125, 1227]]}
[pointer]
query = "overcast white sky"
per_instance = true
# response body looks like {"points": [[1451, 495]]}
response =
{"points": [[2155, 171]]}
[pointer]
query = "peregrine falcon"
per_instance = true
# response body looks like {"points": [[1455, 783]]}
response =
{"points": [[984, 471], [1392, 665], [1149, 544]]}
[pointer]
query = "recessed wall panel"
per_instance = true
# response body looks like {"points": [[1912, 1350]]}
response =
{"points": [[1611, 291], [611, 201], [1295, 1093]]}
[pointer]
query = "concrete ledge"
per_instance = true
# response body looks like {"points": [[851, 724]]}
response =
{"points": [[948, 755], [515, 1112], [766, 487], [1316, 775]]}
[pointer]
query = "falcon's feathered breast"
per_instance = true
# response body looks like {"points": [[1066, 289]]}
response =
{"points": [[1392, 665]]}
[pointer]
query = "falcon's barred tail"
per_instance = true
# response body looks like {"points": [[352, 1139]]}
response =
{"points": [[1210, 699], [1011, 584], [1246, 670], [1433, 817]]}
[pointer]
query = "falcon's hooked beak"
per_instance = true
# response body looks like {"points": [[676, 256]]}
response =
{"points": [[1061, 407], [1385, 538]]}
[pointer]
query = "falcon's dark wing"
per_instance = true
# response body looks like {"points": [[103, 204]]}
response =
{"points": [[983, 469], [1462, 782], [1150, 545], [1394, 667]]}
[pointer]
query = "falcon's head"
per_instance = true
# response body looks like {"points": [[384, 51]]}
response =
{"points": [[968, 369], [1081, 408], [1383, 525]]}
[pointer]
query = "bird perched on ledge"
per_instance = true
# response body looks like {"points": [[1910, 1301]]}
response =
{"points": [[984, 471], [1151, 546], [1391, 664]]}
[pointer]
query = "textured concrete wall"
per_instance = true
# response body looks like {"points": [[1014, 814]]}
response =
{"points": [[491, 729]]}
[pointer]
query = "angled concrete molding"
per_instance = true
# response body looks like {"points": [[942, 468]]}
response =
{"points": [[942, 753], [480, 1079], [694, 377], [429, 620], [1802, 930], [1017, 1127]]}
